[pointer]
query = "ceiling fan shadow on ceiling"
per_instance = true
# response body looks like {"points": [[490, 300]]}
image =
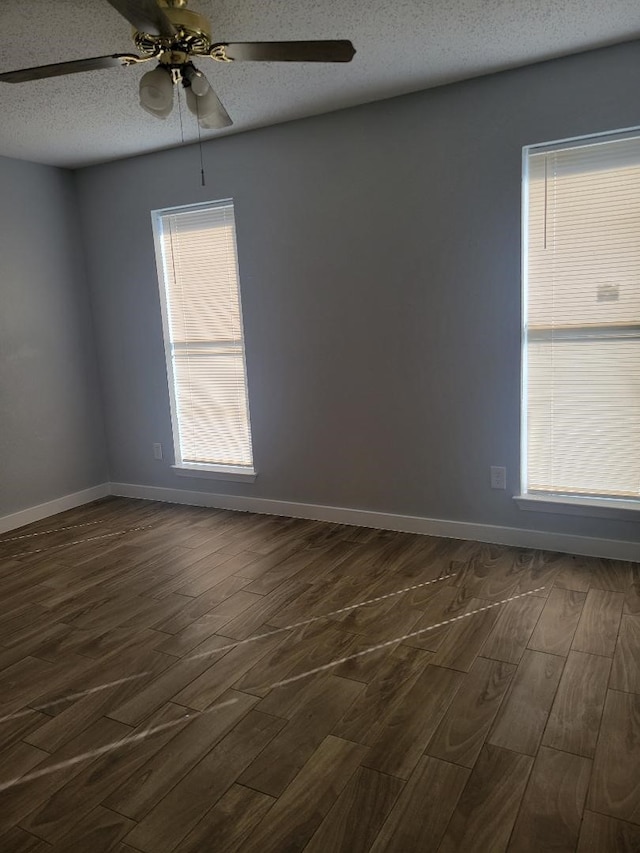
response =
{"points": [[169, 32]]}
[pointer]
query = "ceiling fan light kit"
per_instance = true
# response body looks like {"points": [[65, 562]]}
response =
{"points": [[156, 92], [165, 30], [197, 81]]}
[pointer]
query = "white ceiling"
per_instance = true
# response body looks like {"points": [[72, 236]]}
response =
{"points": [[402, 46]]}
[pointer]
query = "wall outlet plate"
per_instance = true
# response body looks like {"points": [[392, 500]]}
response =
{"points": [[498, 477]]}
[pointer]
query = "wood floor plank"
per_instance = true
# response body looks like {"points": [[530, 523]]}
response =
{"points": [[493, 571], [610, 574], [19, 758], [552, 806], [193, 608], [22, 799], [232, 608], [99, 832], [300, 810], [420, 816], [175, 816], [209, 570], [298, 651], [367, 666], [252, 621], [185, 641], [16, 840], [466, 637], [283, 571], [57, 644], [412, 722], [523, 715], [97, 779], [275, 767], [145, 787], [225, 567], [324, 593], [625, 674], [118, 640], [365, 720], [512, 630], [615, 784], [15, 729], [574, 573], [110, 613], [19, 623], [164, 688], [79, 714], [333, 557], [368, 795], [225, 827], [598, 626], [632, 596], [209, 686], [438, 604], [541, 571], [47, 640], [574, 721], [263, 564], [486, 811], [601, 834], [381, 621], [17, 682], [466, 723], [558, 622]]}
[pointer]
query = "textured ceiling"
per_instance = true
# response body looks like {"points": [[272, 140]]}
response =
{"points": [[403, 46]]}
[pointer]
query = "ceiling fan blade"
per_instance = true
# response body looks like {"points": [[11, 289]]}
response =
{"points": [[145, 16], [284, 51], [58, 68]]}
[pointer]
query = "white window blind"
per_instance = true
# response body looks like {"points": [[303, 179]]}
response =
{"points": [[203, 335], [581, 385]]}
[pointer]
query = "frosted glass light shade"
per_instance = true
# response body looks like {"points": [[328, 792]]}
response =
{"points": [[156, 92], [205, 107], [197, 81]]}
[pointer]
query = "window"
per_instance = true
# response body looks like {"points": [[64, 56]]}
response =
{"points": [[200, 296], [581, 341]]}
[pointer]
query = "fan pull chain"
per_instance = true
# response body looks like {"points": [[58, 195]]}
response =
{"points": [[180, 114], [200, 143]]}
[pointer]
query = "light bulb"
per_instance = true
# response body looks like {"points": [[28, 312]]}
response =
{"points": [[156, 92]]}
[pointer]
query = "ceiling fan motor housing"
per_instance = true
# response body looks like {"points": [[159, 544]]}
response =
{"points": [[193, 34]]}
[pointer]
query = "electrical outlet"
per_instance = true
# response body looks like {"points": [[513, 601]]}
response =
{"points": [[157, 451], [498, 477]]}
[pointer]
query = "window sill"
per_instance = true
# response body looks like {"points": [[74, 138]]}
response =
{"points": [[595, 507], [216, 472]]}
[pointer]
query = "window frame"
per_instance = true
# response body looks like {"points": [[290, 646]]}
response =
{"points": [[208, 470], [619, 507]]}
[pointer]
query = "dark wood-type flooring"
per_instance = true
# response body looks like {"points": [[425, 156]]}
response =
{"points": [[516, 728]]}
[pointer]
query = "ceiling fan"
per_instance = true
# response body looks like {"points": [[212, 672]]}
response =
{"points": [[169, 32]]}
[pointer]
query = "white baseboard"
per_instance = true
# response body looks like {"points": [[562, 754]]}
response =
{"points": [[37, 513], [517, 537]]}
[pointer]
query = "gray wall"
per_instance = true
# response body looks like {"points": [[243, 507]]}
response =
{"points": [[380, 271], [51, 431]]}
